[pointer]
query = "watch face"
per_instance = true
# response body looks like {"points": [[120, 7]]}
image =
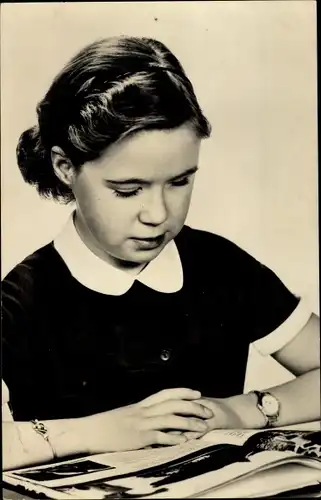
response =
{"points": [[270, 405]]}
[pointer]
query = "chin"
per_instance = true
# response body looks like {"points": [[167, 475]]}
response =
{"points": [[143, 256]]}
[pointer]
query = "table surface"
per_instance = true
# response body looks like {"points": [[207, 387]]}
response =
{"points": [[9, 494]]}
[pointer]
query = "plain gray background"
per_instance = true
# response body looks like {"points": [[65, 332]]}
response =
{"points": [[253, 66]]}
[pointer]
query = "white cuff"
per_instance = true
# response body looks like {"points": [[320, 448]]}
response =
{"points": [[5, 410], [6, 413], [286, 331], [4, 392]]}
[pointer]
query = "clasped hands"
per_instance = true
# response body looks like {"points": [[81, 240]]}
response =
{"points": [[169, 417]]}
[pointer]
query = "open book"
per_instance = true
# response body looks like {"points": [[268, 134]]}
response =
{"points": [[221, 464]]}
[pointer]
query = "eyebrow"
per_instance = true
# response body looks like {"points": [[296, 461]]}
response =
{"points": [[143, 182]]}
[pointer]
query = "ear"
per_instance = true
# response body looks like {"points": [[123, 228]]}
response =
{"points": [[62, 166]]}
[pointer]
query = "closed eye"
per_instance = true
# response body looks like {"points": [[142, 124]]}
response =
{"points": [[181, 182], [126, 193]]}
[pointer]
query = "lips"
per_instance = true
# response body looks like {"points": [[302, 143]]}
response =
{"points": [[150, 243], [154, 238]]}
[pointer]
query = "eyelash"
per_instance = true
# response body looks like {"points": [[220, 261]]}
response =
{"points": [[126, 194], [181, 182], [134, 192]]}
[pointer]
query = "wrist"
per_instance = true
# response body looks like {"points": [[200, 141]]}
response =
{"points": [[99, 432], [269, 406], [70, 436], [245, 406], [88, 430]]}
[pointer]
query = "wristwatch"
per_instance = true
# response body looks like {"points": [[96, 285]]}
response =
{"points": [[269, 406]]}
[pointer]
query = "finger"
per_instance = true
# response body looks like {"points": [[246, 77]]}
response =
{"points": [[209, 403], [165, 438], [188, 434], [178, 407], [174, 422], [193, 435], [168, 394]]}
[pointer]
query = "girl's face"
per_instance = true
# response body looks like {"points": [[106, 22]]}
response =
{"points": [[134, 199]]}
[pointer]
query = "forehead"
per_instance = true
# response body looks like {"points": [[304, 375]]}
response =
{"points": [[150, 154]]}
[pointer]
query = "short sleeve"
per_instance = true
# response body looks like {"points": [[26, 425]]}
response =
{"points": [[265, 305], [287, 331]]}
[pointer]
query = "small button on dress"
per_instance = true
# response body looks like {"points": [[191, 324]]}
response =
{"points": [[165, 354]]}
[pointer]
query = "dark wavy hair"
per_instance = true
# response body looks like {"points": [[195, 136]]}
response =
{"points": [[112, 88]]}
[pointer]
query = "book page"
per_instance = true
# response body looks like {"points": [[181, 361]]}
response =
{"points": [[113, 464], [179, 470], [282, 478]]}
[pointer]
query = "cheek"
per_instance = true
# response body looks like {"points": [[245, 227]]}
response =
{"points": [[108, 216], [92, 205], [92, 199], [180, 201], [85, 193]]}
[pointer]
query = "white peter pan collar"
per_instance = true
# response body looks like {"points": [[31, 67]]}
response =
{"points": [[163, 274]]}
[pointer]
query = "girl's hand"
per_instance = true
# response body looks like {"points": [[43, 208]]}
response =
{"points": [[224, 416], [147, 423]]}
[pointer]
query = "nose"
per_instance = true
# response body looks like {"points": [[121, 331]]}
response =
{"points": [[154, 210]]}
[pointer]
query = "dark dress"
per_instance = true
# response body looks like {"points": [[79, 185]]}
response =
{"points": [[69, 351]]}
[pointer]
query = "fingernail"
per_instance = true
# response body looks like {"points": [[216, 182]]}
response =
{"points": [[197, 393], [202, 427], [194, 435]]}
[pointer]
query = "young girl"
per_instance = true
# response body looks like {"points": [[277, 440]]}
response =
{"points": [[130, 328]]}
